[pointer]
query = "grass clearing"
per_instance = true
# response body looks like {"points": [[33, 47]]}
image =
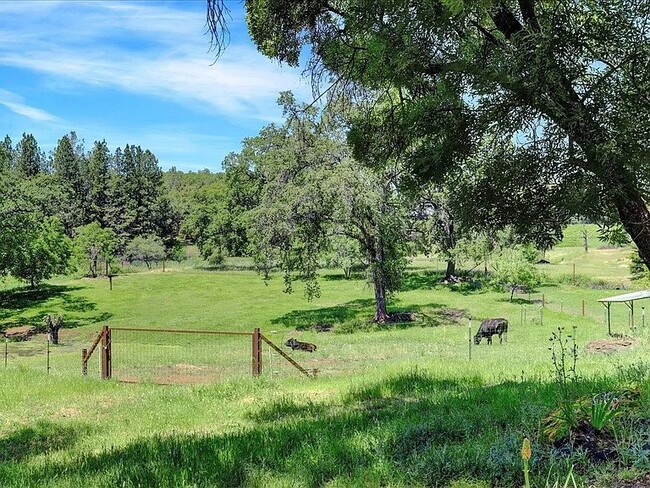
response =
{"points": [[394, 406]]}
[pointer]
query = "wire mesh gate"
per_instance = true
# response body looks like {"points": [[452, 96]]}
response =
{"points": [[134, 354]]}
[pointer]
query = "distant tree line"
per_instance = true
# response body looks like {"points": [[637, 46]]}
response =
{"points": [[92, 205], [295, 198]]}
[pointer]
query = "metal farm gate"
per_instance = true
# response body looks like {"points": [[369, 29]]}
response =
{"points": [[177, 355]]}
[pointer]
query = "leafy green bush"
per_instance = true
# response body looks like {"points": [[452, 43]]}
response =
{"points": [[513, 270]]}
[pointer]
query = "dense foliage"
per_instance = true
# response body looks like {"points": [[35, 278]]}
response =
{"points": [[100, 199], [545, 103]]}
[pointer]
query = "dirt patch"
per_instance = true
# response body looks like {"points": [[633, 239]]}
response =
{"points": [[401, 317], [20, 333], [454, 315], [643, 483], [598, 446], [610, 346], [318, 327]]}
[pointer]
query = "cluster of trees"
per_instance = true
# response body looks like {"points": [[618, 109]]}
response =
{"points": [[91, 205], [524, 112], [297, 197], [446, 123]]}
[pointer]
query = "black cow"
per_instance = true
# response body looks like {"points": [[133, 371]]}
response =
{"points": [[490, 327], [303, 346]]}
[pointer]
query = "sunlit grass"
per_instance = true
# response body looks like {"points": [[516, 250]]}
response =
{"points": [[400, 405]]}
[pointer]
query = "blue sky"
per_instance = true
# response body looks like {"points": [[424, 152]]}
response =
{"points": [[135, 72]]}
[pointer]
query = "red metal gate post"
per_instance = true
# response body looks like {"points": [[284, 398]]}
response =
{"points": [[257, 352], [106, 353]]}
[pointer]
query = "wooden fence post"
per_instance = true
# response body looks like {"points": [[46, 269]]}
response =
{"points": [[84, 363], [106, 353], [257, 352]]}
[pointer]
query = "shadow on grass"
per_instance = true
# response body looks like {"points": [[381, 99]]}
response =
{"points": [[356, 316], [430, 280], [426, 280], [24, 297], [355, 309], [412, 429], [519, 300], [24, 307], [354, 276], [41, 438]]}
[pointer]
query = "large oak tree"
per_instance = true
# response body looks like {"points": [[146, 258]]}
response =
{"points": [[566, 80]]}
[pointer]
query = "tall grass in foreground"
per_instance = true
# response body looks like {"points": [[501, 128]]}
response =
{"points": [[412, 429]]}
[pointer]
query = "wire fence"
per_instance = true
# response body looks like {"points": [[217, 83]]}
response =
{"points": [[39, 355], [536, 307], [195, 356], [177, 358]]}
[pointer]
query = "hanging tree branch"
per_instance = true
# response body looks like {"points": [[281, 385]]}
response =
{"points": [[217, 25]]}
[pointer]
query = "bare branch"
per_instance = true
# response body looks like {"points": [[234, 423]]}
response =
{"points": [[217, 25]]}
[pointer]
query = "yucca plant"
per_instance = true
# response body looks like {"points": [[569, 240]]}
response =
{"points": [[569, 478], [604, 408]]}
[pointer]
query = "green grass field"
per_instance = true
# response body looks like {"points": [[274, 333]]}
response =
{"points": [[399, 405]]}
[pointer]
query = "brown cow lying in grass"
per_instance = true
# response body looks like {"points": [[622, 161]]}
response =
{"points": [[303, 346], [490, 327]]}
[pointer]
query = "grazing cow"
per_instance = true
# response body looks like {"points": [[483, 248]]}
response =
{"points": [[490, 327], [303, 346]]}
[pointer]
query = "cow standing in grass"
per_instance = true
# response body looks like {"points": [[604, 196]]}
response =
{"points": [[490, 327]]}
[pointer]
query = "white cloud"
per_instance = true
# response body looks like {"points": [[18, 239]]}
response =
{"points": [[14, 103], [148, 49]]}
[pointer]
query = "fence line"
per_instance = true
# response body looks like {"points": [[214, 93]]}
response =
{"points": [[106, 351]]}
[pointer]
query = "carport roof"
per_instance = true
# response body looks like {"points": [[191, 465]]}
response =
{"points": [[628, 297]]}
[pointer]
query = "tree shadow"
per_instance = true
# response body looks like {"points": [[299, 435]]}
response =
{"points": [[354, 276], [429, 280], [412, 429], [519, 300], [41, 438], [24, 297], [338, 314], [73, 323], [25, 307], [356, 316], [426, 280]]}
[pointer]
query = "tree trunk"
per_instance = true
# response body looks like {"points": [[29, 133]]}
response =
{"points": [[610, 169], [53, 324], [32, 283], [381, 315], [451, 269], [635, 217], [94, 254]]}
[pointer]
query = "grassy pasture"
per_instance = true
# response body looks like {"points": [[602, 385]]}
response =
{"points": [[394, 406]]}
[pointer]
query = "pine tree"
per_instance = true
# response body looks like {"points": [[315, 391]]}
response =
{"points": [[97, 178], [7, 154], [29, 159]]}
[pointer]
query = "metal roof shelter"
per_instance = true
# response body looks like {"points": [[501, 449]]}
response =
{"points": [[628, 299]]}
